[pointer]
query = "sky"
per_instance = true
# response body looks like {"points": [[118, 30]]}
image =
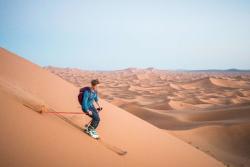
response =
{"points": [[110, 35]]}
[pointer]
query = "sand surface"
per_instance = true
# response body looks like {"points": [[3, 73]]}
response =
{"points": [[208, 110], [32, 138]]}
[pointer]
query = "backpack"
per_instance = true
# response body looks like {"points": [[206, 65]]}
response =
{"points": [[81, 92]]}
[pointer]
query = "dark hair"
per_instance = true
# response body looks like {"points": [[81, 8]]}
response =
{"points": [[94, 82]]}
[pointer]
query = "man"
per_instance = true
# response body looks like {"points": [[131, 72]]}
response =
{"points": [[88, 107]]}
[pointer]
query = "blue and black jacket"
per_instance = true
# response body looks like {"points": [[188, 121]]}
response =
{"points": [[88, 99]]}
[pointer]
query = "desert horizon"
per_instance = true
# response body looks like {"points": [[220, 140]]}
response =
{"points": [[225, 70]]}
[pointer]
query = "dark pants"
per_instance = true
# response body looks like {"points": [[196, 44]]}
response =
{"points": [[95, 117]]}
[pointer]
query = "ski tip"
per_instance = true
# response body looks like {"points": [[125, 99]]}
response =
{"points": [[122, 153]]}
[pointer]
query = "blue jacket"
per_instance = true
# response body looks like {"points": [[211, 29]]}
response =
{"points": [[88, 99]]}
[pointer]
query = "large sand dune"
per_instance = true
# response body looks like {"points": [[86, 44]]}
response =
{"points": [[29, 138], [230, 143]]}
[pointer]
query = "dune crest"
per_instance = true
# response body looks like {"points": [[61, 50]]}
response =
{"points": [[230, 83], [178, 105], [200, 83]]}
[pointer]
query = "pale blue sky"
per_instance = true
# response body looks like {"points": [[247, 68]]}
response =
{"points": [[108, 35]]}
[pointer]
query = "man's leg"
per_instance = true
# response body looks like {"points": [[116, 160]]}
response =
{"points": [[95, 118]]}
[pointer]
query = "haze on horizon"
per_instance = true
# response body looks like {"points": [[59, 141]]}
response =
{"points": [[110, 35]]}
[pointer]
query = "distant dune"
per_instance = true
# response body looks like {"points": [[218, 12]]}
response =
{"points": [[199, 84], [230, 83]]}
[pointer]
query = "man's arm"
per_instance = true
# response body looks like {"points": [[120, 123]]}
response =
{"points": [[85, 102], [96, 100], [98, 104]]}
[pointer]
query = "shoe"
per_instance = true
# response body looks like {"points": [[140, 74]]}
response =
{"points": [[86, 130], [86, 127], [93, 133]]}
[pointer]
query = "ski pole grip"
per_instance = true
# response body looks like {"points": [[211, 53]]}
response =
{"points": [[99, 109]]}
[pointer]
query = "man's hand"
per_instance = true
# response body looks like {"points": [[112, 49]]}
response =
{"points": [[89, 112]]}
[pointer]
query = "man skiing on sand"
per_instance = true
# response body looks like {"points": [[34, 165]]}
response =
{"points": [[88, 97]]}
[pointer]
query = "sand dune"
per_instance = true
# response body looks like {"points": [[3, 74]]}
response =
{"points": [[221, 133], [230, 83], [230, 143], [178, 105], [240, 100], [175, 86], [33, 139], [199, 84], [118, 102]]}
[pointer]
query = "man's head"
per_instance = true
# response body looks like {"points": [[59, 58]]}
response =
{"points": [[94, 84]]}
